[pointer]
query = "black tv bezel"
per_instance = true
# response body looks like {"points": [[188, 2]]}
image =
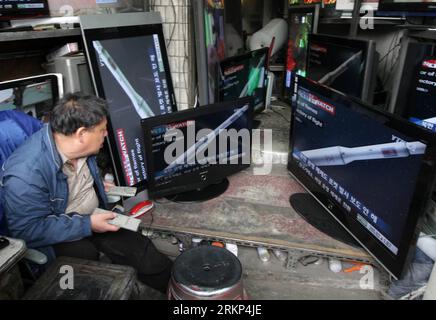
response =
{"points": [[365, 45], [395, 265], [411, 108], [189, 114], [404, 7], [98, 34], [242, 57], [16, 13], [52, 78], [314, 9]]}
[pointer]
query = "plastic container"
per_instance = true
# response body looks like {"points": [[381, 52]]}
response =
{"points": [[280, 255], [263, 253], [335, 265], [233, 248]]}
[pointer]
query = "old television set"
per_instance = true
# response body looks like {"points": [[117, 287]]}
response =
{"points": [[347, 65], [75, 71], [302, 20], [370, 171], [191, 152], [245, 75], [130, 69], [35, 95], [19, 9]]}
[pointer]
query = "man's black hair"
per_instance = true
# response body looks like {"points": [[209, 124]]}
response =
{"points": [[76, 110]]}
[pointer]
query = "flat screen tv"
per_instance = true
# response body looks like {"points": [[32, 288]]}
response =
{"points": [[129, 68], [302, 20], [190, 153], [371, 171], [36, 95], [347, 65], [245, 76], [208, 19], [420, 105], [410, 88], [19, 9]]}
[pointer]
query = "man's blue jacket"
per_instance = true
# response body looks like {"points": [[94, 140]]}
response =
{"points": [[15, 128], [35, 195]]}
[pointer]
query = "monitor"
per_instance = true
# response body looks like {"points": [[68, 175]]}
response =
{"points": [[302, 21], [415, 84], [190, 153], [208, 18], [36, 95], [129, 68], [18, 9], [245, 75], [422, 107], [371, 171], [407, 8], [347, 65], [406, 79]]}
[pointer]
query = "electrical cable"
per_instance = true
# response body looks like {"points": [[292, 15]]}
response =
{"points": [[173, 6], [387, 54], [393, 61], [390, 50]]}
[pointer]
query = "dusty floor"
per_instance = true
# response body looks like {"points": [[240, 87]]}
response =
{"points": [[272, 280]]}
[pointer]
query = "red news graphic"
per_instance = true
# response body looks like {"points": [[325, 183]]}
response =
{"points": [[125, 157], [318, 48], [178, 125], [429, 64], [321, 104], [233, 69]]}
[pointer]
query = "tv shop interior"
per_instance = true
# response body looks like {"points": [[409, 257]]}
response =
{"points": [[220, 151]]}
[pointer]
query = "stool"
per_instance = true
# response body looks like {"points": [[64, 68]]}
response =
{"points": [[11, 284], [92, 280], [206, 273]]}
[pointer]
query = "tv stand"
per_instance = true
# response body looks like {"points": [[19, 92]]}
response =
{"points": [[204, 194], [311, 211]]}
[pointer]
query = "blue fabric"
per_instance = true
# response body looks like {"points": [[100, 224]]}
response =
{"points": [[15, 128], [35, 195]]}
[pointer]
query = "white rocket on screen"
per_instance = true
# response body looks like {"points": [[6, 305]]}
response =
{"points": [[141, 106], [336, 156]]}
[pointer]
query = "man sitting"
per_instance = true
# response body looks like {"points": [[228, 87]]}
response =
{"points": [[51, 185]]}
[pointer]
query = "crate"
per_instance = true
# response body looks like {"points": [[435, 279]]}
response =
{"points": [[76, 279]]}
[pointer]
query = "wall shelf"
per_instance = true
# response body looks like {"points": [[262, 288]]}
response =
{"points": [[33, 35]]}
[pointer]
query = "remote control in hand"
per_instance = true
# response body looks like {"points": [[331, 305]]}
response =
{"points": [[121, 220], [122, 191]]}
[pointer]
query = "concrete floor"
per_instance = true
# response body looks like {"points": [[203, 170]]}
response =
{"points": [[273, 281]]}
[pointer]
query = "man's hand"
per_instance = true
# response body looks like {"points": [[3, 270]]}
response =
{"points": [[108, 185], [99, 222]]}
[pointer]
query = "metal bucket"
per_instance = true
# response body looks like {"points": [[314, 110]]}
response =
{"points": [[206, 273]]}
